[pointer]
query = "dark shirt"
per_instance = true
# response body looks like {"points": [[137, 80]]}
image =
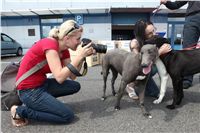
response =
{"points": [[193, 6]]}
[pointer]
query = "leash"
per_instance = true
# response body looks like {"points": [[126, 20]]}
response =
{"points": [[194, 46], [85, 68], [156, 10]]}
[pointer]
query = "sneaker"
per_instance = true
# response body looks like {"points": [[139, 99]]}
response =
{"points": [[16, 120], [131, 92]]}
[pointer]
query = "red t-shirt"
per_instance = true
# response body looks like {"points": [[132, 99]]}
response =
{"points": [[34, 55]]}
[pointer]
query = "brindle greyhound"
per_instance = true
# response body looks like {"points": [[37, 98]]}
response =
{"points": [[129, 65], [178, 64]]}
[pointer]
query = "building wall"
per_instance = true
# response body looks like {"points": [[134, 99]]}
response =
{"points": [[101, 31], [160, 21], [128, 18], [17, 28], [20, 34], [96, 27], [161, 28]]}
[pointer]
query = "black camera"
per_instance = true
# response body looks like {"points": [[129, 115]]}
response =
{"points": [[98, 47]]}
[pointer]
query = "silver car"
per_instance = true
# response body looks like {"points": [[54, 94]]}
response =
{"points": [[10, 46]]}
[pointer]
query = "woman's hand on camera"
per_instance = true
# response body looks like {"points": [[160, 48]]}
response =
{"points": [[86, 50]]}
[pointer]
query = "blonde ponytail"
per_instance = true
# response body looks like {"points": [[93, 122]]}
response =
{"points": [[64, 30], [54, 33], [66, 27]]}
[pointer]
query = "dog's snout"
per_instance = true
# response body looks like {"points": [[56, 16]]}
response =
{"points": [[143, 65]]}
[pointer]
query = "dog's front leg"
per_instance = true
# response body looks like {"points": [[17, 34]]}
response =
{"points": [[105, 75], [180, 93], [120, 94], [141, 90], [175, 83], [115, 73], [162, 72]]}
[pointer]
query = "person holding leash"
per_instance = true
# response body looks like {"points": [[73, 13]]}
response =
{"points": [[144, 30], [191, 31], [37, 92]]}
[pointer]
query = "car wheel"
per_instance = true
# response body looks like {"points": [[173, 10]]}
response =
{"points": [[19, 52]]}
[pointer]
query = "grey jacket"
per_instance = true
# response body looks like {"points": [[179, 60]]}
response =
{"points": [[193, 6]]}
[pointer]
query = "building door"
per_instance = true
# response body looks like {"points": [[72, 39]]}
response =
{"points": [[47, 24], [45, 30], [175, 34], [122, 32]]}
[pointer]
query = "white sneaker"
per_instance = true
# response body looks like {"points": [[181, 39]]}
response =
{"points": [[131, 92]]}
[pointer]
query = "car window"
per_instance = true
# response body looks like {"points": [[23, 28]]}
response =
{"points": [[6, 38]]}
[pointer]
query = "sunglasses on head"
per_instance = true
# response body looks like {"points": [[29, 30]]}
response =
{"points": [[76, 26]]}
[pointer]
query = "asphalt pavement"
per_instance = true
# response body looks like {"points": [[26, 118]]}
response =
{"points": [[94, 115]]}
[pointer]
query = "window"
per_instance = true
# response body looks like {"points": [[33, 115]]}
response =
{"points": [[6, 38], [52, 20], [31, 32]]}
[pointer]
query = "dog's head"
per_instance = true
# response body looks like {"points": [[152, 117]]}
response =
{"points": [[148, 56], [157, 40]]}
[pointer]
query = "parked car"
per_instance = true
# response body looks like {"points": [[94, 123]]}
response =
{"points": [[10, 46]]}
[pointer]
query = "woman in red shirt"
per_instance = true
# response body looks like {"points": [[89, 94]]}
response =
{"points": [[37, 92]]}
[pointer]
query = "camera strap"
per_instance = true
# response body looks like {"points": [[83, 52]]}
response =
{"points": [[76, 72], [85, 68]]}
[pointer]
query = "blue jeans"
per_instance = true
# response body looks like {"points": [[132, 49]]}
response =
{"points": [[41, 104], [151, 88], [191, 33]]}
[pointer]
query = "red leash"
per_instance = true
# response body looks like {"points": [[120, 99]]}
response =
{"points": [[195, 46]]}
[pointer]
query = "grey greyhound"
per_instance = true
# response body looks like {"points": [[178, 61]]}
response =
{"points": [[129, 65]]}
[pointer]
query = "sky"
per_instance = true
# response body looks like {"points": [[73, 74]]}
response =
{"points": [[8, 5], [81, 0], [39, 4]]}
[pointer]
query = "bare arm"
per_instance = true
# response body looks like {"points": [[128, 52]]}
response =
{"points": [[165, 48], [173, 5], [62, 73], [134, 46], [67, 61]]}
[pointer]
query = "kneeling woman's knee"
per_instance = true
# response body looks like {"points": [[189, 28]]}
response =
{"points": [[67, 117]]}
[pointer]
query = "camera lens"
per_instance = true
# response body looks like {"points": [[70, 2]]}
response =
{"points": [[98, 47]]}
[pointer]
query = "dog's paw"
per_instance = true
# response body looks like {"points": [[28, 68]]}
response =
{"points": [[114, 93], [147, 115], [103, 98], [170, 106], [157, 101], [178, 102], [117, 108]]}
